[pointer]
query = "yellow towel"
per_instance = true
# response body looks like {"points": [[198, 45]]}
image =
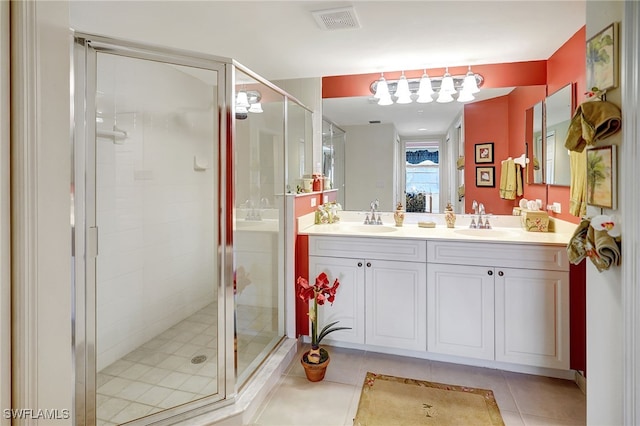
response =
{"points": [[519, 189], [508, 180], [592, 121], [578, 189]]}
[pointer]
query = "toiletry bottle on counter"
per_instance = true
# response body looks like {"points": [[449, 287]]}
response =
{"points": [[398, 215], [317, 182], [449, 216]]}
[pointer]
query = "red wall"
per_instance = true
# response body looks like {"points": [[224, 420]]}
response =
{"points": [[485, 122]]}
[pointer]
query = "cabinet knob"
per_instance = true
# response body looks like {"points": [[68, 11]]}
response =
{"points": [[490, 272], [500, 273], [359, 264], [368, 264]]}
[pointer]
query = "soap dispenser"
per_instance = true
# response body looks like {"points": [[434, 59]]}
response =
{"points": [[449, 216]]}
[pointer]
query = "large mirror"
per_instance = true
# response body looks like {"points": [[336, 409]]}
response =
{"points": [[373, 170], [558, 110], [549, 126]]}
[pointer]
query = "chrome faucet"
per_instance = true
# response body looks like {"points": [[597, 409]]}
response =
{"points": [[375, 205], [479, 211], [252, 212], [473, 223]]}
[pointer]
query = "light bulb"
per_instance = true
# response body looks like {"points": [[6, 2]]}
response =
{"points": [[425, 87], [447, 83], [470, 84], [256, 108], [382, 89], [242, 100], [465, 96], [402, 92], [443, 98], [385, 100]]}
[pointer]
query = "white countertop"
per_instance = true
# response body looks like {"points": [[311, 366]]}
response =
{"points": [[506, 229]]}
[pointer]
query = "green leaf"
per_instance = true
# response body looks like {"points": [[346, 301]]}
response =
{"points": [[329, 329]]}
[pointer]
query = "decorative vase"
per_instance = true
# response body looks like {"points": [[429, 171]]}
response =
{"points": [[449, 216], [314, 372], [398, 215]]}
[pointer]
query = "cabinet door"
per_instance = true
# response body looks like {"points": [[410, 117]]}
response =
{"points": [[532, 317], [460, 303], [395, 307], [348, 307]]}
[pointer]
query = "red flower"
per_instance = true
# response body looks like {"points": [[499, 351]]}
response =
{"points": [[305, 291], [320, 292]]}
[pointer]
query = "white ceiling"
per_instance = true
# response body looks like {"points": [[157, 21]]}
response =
{"points": [[281, 39]]}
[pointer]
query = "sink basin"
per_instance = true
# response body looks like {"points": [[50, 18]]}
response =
{"points": [[371, 229], [485, 233]]}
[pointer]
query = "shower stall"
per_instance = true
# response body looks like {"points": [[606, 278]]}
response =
{"points": [[178, 198]]}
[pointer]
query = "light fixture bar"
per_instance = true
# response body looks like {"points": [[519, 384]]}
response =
{"points": [[436, 82]]}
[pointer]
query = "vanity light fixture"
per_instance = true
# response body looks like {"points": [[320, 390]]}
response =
{"points": [[248, 101], [421, 89]]}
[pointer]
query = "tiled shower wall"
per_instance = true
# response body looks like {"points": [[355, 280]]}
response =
{"points": [[155, 209]]}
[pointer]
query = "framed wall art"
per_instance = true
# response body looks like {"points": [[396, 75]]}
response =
{"points": [[485, 176], [602, 59], [602, 177], [484, 152]]}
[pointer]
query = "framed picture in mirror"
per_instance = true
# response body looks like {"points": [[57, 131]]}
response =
{"points": [[485, 176], [484, 152], [601, 177]]}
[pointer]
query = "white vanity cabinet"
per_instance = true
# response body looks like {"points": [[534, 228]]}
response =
{"points": [[508, 302], [348, 307], [460, 306], [382, 292]]}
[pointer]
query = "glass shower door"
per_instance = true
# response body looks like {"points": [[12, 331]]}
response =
{"points": [[258, 245], [157, 275]]}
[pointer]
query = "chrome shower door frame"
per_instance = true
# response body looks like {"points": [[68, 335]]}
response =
{"points": [[84, 236]]}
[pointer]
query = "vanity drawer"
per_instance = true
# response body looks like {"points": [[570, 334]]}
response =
{"points": [[527, 256], [369, 248]]}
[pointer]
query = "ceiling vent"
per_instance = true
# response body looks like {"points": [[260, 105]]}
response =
{"points": [[343, 18]]}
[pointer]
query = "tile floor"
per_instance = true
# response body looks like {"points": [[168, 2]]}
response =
{"points": [[160, 374], [523, 399]]}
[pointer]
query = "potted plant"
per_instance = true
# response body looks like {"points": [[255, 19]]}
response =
{"points": [[315, 361]]}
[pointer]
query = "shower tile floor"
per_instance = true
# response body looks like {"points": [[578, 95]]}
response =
{"points": [[159, 374]]}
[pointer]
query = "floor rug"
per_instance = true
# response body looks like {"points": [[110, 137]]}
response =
{"points": [[389, 400]]}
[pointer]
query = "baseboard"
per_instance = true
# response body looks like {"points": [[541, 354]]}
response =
{"points": [[581, 381]]}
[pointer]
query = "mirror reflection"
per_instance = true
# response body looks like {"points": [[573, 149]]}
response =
{"points": [[537, 143], [558, 109], [549, 126]]}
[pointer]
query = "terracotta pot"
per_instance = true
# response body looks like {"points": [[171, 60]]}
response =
{"points": [[314, 372]]}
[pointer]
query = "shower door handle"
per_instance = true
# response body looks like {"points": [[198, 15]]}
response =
{"points": [[92, 242]]}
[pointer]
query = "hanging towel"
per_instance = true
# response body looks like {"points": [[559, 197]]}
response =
{"points": [[508, 180], [592, 121], [519, 189], [578, 186], [602, 249], [577, 247]]}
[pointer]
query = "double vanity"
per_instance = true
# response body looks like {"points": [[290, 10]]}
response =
{"points": [[491, 297]]}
